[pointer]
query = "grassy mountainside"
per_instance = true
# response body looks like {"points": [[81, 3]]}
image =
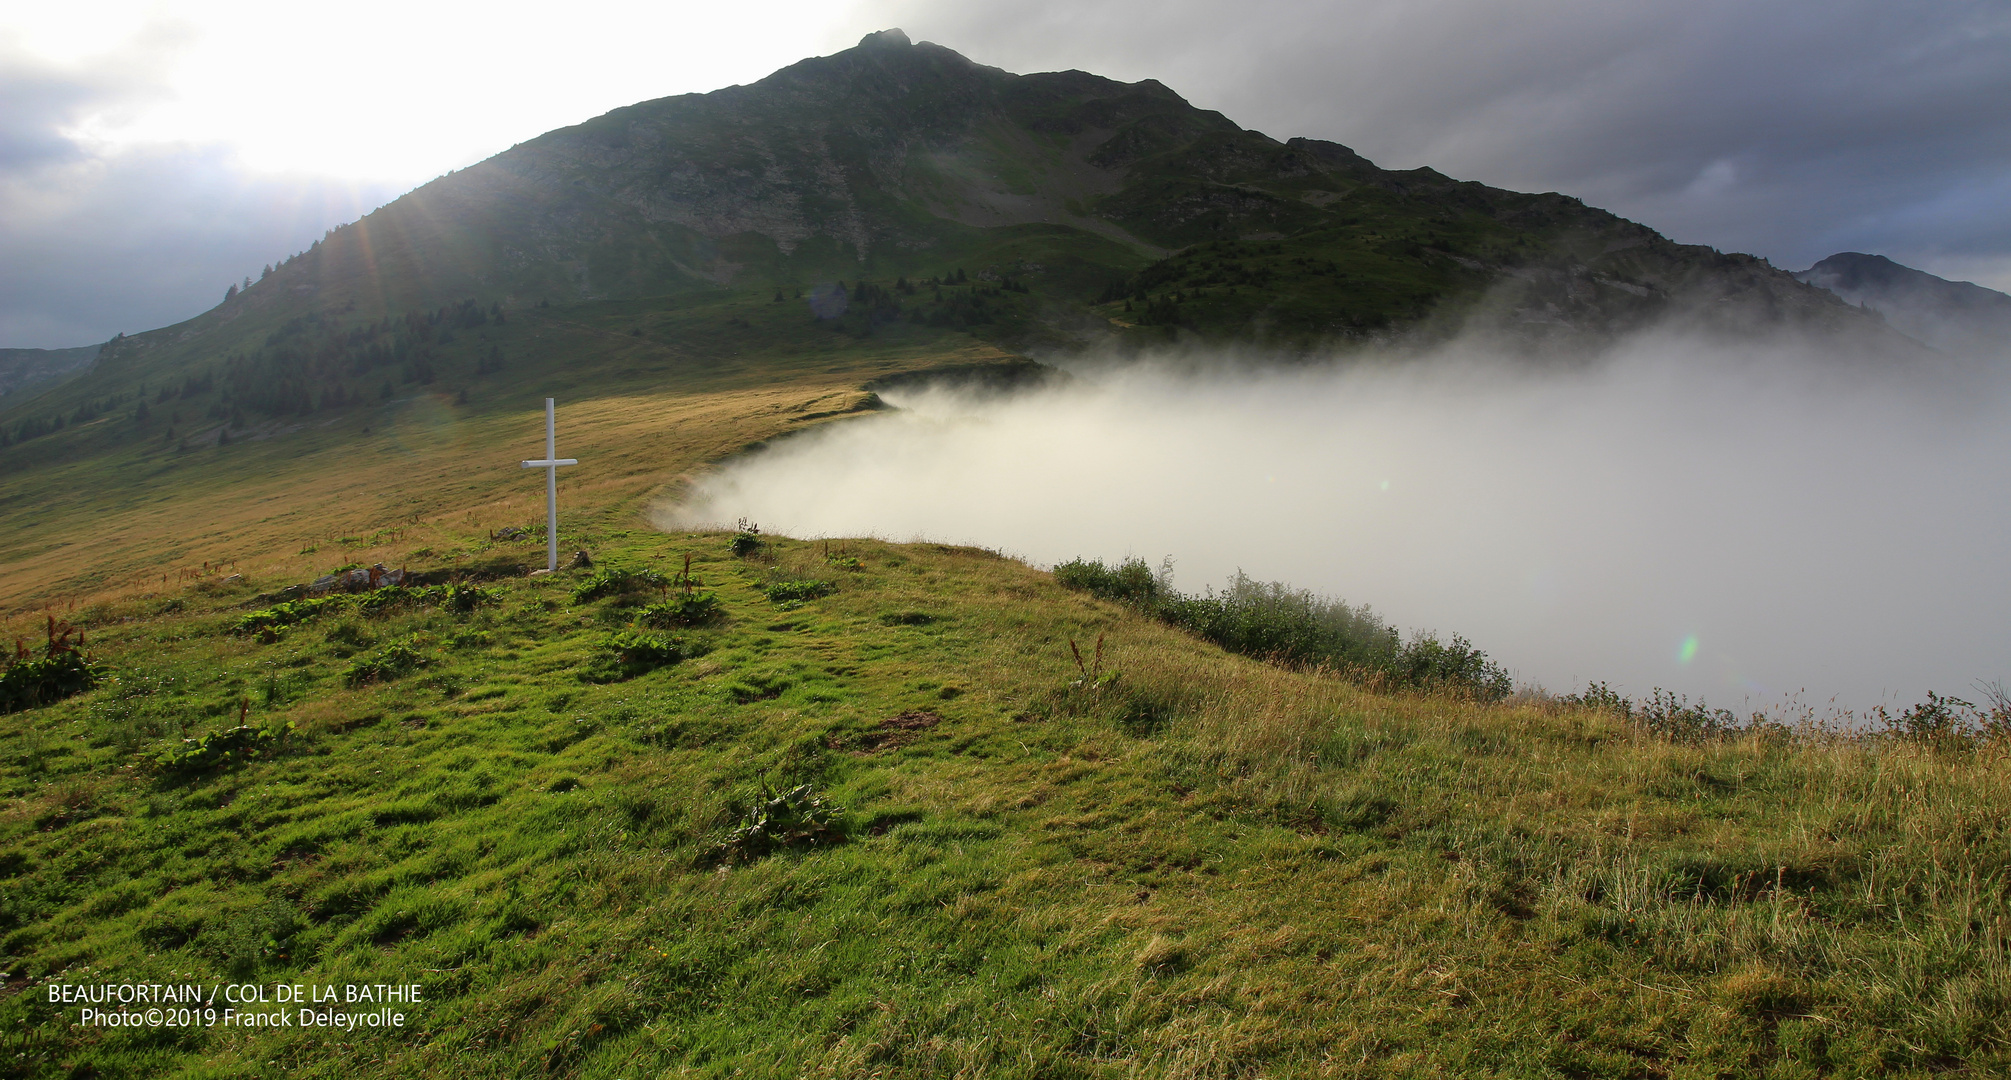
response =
{"points": [[1204, 867]]}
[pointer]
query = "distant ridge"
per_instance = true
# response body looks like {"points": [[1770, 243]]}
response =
{"points": [[24, 370], [1954, 316]]}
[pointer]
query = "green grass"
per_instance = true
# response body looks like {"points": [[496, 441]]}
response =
{"points": [[1208, 866]]}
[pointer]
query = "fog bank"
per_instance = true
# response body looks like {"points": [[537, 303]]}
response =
{"points": [[1741, 524]]}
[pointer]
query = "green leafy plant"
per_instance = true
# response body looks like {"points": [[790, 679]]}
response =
{"points": [[689, 608], [746, 539], [393, 660], [469, 639], [1426, 663], [462, 599], [796, 818], [1671, 716], [625, 654], [286, 614], [1598, 695], [1948, 719], [455, 597], [218, 749], [615, 581], [1131, 582], [61, 671], [800, 591]]}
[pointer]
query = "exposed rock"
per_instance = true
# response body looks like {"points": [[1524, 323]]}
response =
{"points": [[357, 579]]}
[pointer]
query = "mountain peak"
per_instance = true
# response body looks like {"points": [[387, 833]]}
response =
{"points": [[886, 39], [1957, 316]]}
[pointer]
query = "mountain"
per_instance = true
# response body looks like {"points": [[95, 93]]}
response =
{"points": [[27, 369], [897, 159], [900, 189], [1954, 316]]}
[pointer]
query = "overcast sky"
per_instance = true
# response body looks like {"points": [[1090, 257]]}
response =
{"points": [[152, 153]]}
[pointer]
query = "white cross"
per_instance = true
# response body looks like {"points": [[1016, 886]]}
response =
{"points": [[551, 466]]}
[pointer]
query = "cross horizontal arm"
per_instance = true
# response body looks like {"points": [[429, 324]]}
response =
{"points": [[549, 464]]}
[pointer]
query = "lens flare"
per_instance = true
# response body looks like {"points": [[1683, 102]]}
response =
{"points": [[1689, 650]]}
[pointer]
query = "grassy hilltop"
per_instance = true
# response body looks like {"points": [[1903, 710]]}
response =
{"points": [[870, 809]]}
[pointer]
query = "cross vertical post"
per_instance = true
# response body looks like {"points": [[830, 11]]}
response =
{"points": [[551, 465]]}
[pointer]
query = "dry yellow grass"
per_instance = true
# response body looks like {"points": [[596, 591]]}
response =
{"points": [[435, 477]]}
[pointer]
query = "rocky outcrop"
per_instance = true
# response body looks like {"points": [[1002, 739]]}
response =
{"points": [[356, 579]]}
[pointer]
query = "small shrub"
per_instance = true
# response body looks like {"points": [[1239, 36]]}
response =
{"points": [[28, 683], [217, 749], [389, 598], [1673, 717], [1599, 696], [1133, 582], [746, 540], [613, 581], [62, 671], [390, 662], [462, 599], [286, 614], [1273, 621], [797, 818], [1938, 719], [800, 591], [626, 654], [1428, 664]]}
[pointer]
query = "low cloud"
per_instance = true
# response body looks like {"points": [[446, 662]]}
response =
{"points": [[1741, 523]]}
